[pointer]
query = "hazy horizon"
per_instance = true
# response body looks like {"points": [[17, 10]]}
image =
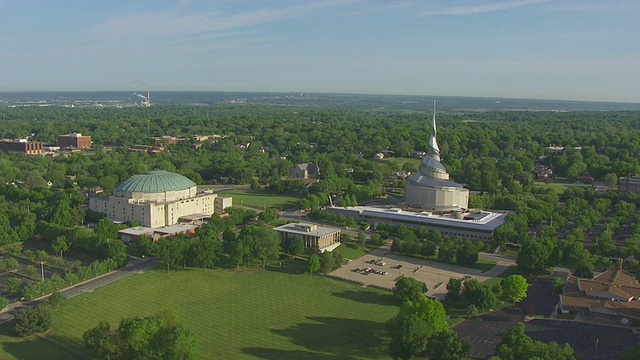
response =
{"points": [[574, 50]]}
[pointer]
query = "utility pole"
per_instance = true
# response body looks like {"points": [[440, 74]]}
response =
{"points": [[41, 270]]}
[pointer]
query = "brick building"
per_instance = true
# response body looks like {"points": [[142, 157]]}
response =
{"points": [[23, 146], [75, 140]]}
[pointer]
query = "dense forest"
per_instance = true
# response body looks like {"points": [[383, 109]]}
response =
{"points": [[495, 154]]}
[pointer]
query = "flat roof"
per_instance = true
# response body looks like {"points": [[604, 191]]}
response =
{"points": [[137, 231], [174, 229], [166, 230], [319, 231], [484, 220], [193, 217]]}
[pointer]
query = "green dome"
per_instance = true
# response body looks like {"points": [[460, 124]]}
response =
{"points": [[155, 182]]}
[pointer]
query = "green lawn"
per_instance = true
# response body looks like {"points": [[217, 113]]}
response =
{"points": [[559, 185], [280, 313], [483, 265], [350, 251], [259, 199], [511, 270], [32, 347]]}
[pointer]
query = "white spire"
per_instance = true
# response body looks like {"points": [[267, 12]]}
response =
{"points": [[434, 149], [435, 131]]}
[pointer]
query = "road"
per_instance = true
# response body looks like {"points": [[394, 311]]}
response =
{"points": [[134, 266]]}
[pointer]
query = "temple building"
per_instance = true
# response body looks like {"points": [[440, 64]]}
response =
{"points": [[431, 188], [157, 199], [432, 201]]}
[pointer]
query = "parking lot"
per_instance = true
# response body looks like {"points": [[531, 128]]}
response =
{"points": [[434, 274], [590, 341]]}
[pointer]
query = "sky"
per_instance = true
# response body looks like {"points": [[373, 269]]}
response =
{"points": [[540, 49]]}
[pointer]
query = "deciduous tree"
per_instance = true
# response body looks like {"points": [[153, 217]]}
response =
{"points": [[160, 336], [206, 251], [314, 263], [446, 345], [514, 288], [409, 335], [408, 288], [32, 320]]}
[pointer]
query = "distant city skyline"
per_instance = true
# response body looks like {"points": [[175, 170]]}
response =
{"points": [[539, 49]]}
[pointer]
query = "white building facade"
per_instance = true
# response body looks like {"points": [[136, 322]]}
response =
{"points": [[431, 188], [157, 199]]}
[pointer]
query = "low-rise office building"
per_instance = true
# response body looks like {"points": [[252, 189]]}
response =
{"points": [[324, 238], [22, 146], [478, 225], [74, 140]]}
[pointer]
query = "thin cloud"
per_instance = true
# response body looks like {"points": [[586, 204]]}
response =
{"points": [[176, 22], [484, 8], [598, 6]]}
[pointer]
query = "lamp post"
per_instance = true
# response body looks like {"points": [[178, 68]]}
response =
{"points": [[597, 341]]}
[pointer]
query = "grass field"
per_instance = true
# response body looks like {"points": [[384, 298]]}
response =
{"points": [[351, 251], [559, 185], [32, 347], [259, 199], [511, 270], [483, 265], [280, 313]]}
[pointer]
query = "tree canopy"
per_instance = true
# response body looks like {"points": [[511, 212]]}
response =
{"points": [[160, 336], [516, 345], [408, 288], [514, 288]]}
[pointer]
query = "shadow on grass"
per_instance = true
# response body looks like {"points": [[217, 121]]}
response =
{"points": [[368, 297], [329, 337], [288, 266], [75, 344], [30, 347], [264, 353]]}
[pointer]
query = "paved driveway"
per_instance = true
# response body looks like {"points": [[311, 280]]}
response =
{"points": [[485, 333]]}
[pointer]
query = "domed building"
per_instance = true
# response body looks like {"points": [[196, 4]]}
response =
{"points": [[158, 198], [431, 188]]}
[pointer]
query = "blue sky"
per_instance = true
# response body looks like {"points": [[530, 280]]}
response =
{"points": [[548, 49]]}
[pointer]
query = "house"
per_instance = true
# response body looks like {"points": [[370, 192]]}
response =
{"points": [[304, 171], [585, 179], [613, 296]]}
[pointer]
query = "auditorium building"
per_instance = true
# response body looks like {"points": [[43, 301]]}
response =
{"points": [[157, 199]]}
